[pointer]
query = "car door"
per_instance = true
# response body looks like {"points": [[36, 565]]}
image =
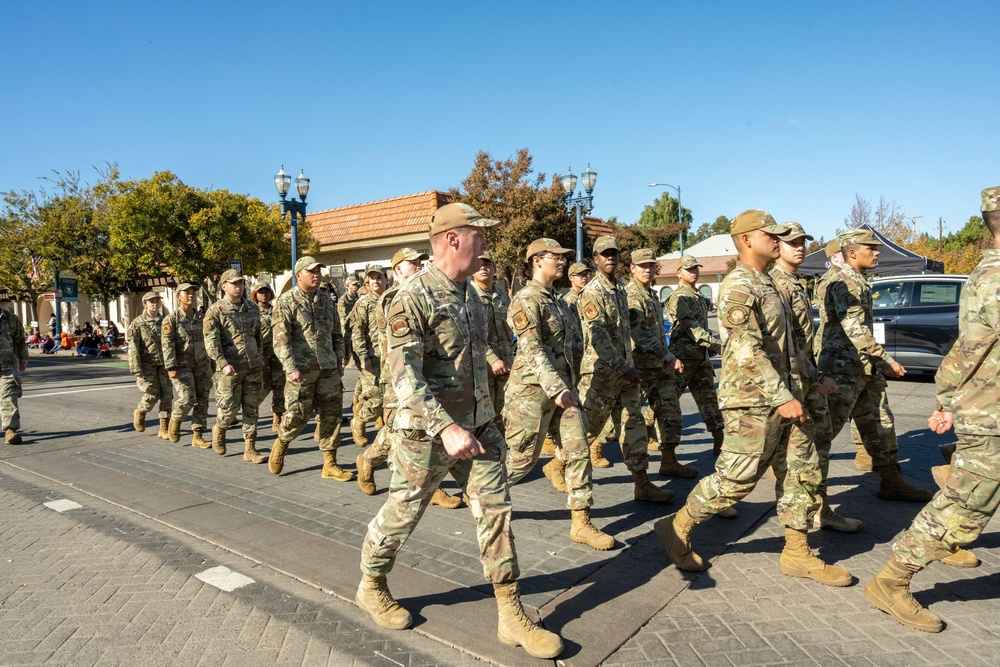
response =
{"points": [[927, 324], [887, 296]]}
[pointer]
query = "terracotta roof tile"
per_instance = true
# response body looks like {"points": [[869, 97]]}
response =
{"points": [[408, 214], [594, 227], [709, 265]]}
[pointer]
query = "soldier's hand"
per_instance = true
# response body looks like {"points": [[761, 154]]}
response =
{"points": [[676, 366], [566, 399], [940, 421], [340, 370], [172, 375], [228, 370], [499, 367], [24, 366], [894, 371], [139, 375], [460, 443], [632, 375], [826, 387], [295, 376], [368, 365], [794, 411]]}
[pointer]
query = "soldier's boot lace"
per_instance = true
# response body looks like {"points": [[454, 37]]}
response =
{"points": [[718, 435], [555, 470], [584, 532], [669, 465], [947, 451], [889, 591], [11, 437], [358, 431], [198, 439], [827, 518], [652, 444], [548, 446], [139, 421], [961, 558], [218, 440], [798, 561], [174, 430], [333, 471], [366, 475], [163, 434], [374, 597], [646, 490], [940, 475], [862, 460], [250, 453], [893, 487], [516, 629], [276, 459], [443, 500], [596, 457], [275, 421], [674, 533]]}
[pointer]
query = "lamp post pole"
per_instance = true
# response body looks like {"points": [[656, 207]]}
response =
{"points": [[581, 204], [680, 210], [297, 209]]}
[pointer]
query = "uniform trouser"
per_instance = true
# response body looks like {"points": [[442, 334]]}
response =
{"points": [[274, 384], [527, 417], [960, 511], [238, 393], [755, 439], [863, 398], [612, 430], [191, 390], [322, 389], [155, 387], [498, 386], [818, 408], [660, 391], [420, 462], [378, 452], [698, 376], [599, 395], [371, 394], [10, 391]]}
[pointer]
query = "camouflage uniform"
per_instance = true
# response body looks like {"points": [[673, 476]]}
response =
{"points": [[307, 338], [437, 357], [345, 305], [365, 344], [145, 356], [13, 353], [500, 341], [378, 453], [692, 342], [543, 368], [234, 336], [757, 377], [273, 377], [183, 342]]}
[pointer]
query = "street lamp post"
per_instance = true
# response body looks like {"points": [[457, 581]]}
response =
{"points": [[680, 211], [582, 204], [282, 182]]}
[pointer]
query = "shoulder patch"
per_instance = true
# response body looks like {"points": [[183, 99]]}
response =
{"points": [[739, 296], [591, 312], [399, 326], [167, 328], [520, 321], [737, 315]]}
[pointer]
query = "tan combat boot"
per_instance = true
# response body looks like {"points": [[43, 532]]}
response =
{"points": [[646, 490], [275, 421], [250, 453], [198, 439], [827, 518], [366, 475], [174, 430], [961, 558], [718, 436], [139, 421], [218, 440], [674, 532], [443, 500], [652, 445], [548, 446], [596, 457], [940, 475], [889, 591], [584, 532], [374, 597], [671, 468], [164, 429], [892, 487], [11, 437], [358, 431], [798, 561], [276, 459], [516, 629], [333, 471], [555, 470], [862, 461]]}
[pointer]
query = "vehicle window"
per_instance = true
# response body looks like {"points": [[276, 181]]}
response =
{"points": [[887, 295], [936, 294]]}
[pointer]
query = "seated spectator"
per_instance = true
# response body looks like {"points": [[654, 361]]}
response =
{"points": [[113, 335], [48, 345], [87, 328], [65, 341], [88, 346], [34, 340], [103, 351]]}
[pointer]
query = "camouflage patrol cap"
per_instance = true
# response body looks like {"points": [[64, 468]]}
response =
{"points": [[408, 255], [795, 231], [546, 245], [991, 199], [858, 237], [375, 268], [187, 286], [454, 216], [149, 296], [755, 218], [643, 256], [352, 281], [487, 257], [833, 247], [605, 243], [307, 263], [578, 268], [688, 262], [230, 276]]}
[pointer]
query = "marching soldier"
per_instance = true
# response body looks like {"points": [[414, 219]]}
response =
{"points": [[188, 365], [274, 378], [365, 344], [145, 362], [344, 307], [13, 362], [235, 343], [500, 342]]}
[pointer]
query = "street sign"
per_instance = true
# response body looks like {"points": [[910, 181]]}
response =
{"points": [[70, 289], [237, 265]]}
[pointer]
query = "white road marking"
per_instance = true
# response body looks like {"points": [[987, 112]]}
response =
{"points": [[76, 391], [389, 659], [224, 578], [63, 505]]}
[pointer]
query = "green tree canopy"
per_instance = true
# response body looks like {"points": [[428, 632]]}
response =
{"points": [[708, 230], [23, 242], [661, 216]]}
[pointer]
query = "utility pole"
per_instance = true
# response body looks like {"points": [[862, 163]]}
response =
{"points": [[940, 233]]}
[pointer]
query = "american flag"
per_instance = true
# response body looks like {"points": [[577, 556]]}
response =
{"points": [[36, 266]]}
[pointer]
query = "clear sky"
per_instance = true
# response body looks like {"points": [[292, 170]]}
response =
{"points": [[792, 107]]}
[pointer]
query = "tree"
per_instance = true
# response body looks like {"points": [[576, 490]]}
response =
{"points": [[708, 230], [887, 218], [661, 215], [960, 251], [22, 269]]}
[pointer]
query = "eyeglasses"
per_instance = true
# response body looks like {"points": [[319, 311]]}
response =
{"points": [[555, 258]]}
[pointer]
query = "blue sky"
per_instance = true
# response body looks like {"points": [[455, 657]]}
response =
{"points": [[792, 107]]}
